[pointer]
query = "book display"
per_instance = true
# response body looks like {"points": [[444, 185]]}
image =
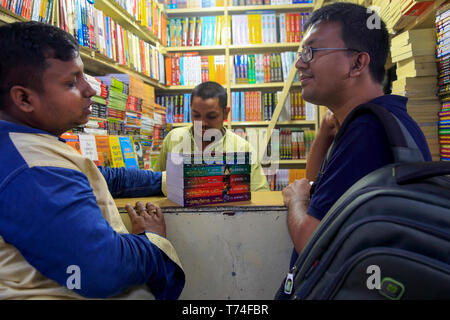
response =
{"points": [[195, 179]]}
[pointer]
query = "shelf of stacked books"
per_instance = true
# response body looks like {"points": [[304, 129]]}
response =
{"points": [[142, 23], [102, 51]]}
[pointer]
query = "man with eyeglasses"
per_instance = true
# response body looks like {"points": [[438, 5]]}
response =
{"points": [[341, 66]]}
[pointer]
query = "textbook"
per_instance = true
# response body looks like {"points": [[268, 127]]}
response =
{"points": [[196, 179]]}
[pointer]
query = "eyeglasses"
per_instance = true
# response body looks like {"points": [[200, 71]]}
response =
{"points": [[307, 53]]}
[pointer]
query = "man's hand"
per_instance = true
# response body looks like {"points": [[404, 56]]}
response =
{"points": [[329, 125], [297, 191], [146, 218]]}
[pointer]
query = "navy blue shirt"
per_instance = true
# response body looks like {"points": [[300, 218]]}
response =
{"points": [[362, 149]]}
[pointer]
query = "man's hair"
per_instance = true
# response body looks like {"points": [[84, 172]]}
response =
{"points": [[356, 33], [25, 46], [210, 89]]}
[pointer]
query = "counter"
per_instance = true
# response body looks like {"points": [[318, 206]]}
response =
{"points": [[237, 250]]}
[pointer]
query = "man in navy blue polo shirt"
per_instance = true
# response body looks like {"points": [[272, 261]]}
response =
{"points": [[341, 66]]}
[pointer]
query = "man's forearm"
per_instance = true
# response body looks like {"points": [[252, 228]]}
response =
{"points": [[300, 224]]}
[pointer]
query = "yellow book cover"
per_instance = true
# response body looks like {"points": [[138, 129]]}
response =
{"points": [[43, 9], [416, 36], [258, 28], [212, 68], [116, 152], [218, 30]]}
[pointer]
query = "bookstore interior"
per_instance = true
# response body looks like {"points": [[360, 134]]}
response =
{"points": [[144, 58]]}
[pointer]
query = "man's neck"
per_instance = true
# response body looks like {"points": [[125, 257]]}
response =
{"points": [[350, 101]]}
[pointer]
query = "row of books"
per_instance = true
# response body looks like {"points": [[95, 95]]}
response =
{"points": [[196, 179], [259, 106], [262, 68], [178, 107], [267, 28], [442, 53], [182, 4], [191, 69], [292, 143], [196, 31], [295, 143], [149, 14], [28, 9], [278, 179], [112, 151]]}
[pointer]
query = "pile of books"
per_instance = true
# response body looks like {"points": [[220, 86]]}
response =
{"points": [[443, 56], [196, 179], [400, 13], [414, 53]]}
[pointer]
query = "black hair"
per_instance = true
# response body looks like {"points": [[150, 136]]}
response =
{"points": [[25, 46], [210, 89], [359, 31]]}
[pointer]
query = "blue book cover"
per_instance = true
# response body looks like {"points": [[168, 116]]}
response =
{"points": [[128, 153], [242, 106], [182, 71]]}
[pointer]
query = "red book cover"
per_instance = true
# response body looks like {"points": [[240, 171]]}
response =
{"points": [[215, 191], [211, 181], [297, 27], [247, 107], [418, 8]]}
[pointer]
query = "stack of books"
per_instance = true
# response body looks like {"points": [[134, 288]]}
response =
{"points": [[196, 179], [400, 13], [443, 56], [414, 53]]}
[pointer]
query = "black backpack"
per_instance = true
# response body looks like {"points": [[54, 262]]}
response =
{"points": [[387, 237]]}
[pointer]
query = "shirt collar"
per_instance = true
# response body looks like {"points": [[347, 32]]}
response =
{"points": [[391, 101]]}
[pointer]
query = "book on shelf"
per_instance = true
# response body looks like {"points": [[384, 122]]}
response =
{"points": [[88, 146], [129, 157], [72, 140], [116, 152], [196, 179], [103, 151]]}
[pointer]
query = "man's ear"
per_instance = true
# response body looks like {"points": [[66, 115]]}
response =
{"points": [[226, 111], [23, 98], [360, 64]]}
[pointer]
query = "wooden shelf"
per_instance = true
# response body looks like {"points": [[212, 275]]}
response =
{"points": [[257, 123], [264, 47], [265, 123], [238, 9], [189, 12], [9, 17], [100, 64], [261, 85], [276, 8], [205, 50]]}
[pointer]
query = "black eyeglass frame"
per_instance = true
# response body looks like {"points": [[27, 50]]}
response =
{"points": [[302, 54]]}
